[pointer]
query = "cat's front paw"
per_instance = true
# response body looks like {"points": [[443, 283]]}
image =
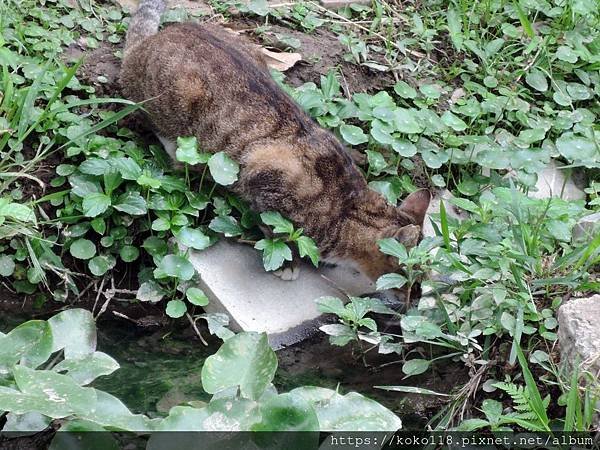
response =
{"points": [[288, 273]]}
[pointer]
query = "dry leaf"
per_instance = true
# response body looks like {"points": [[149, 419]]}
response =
{"points": [[281, 61]]}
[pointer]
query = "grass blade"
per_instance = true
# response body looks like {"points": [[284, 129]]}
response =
{"points": [[535, 399], [444, 225]]}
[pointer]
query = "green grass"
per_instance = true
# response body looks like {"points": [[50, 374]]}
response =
{"points": [[482, 90]]}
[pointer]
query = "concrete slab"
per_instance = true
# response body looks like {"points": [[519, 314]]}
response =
{"points": [[233, 278]]}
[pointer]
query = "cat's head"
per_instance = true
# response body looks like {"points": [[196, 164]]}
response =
{"points": [[403, 223]]}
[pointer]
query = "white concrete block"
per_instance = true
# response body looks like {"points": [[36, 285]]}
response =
{"points": [[233, 277]]}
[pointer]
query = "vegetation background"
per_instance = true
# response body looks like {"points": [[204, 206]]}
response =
{"points": [[481, 98]]}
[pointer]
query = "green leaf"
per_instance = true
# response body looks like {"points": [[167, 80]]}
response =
{"points": [[350, 412], [82, 185], [404, 148], [196, 296], [391, 281], [223, 169], [353, 135], [431, 91], [94, 166], [576, 148], [339, 334], [176, 308], [22, 213], [81, 434], [245, 360], [194, 238], [222, 414], [87, 368], [95, 204], [279, 223], [73, 330], [150, 291], [48, 393], [82, 249], [286, 412], [175, 266], [7, 266], [129, 253], [453, 19], [225, 225], [187, 151], [332, 305], [100, 264], [127, 167], [109, 411], [537, 80], [275, 252], [405, 90], [132, 203], [307, 247], [415, 367], [392, 247], [406, 121], [29, 422], [30, 343], [453, 121]]}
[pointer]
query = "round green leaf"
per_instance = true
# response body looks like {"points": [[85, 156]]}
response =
{"points": [[196, 296], [99, 265], [404, 148], [453, 121], [7, 266], [537, 80], [223, 169], [406, 121], [415, 366], [176, 309], [193, 238], [129, 253], [404, 90], [82, 249], [353, 135], [576, 148], [176, 266]]}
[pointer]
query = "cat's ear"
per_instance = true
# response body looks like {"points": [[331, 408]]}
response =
{"points": [[408, 235], [416, 204]]}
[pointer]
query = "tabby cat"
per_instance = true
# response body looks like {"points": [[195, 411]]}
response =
{"points": [[207, 83]]}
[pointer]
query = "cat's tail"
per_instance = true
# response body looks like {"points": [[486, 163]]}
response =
{"points": [[145, 22]]}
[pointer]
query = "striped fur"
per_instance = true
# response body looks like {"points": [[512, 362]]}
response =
{"points": [[207, 83]]}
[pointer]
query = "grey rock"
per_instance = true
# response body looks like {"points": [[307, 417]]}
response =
{"points": [[233, 277], [554, 181], [587, 228], [579, 333]]}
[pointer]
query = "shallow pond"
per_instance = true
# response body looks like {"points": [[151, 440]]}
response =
{"points": [[161, 368]]}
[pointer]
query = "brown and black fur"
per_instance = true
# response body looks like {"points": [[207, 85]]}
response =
{"points": [[207, 83]]}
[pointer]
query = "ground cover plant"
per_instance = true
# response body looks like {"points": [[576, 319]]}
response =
{"points": [[477, 97]]}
